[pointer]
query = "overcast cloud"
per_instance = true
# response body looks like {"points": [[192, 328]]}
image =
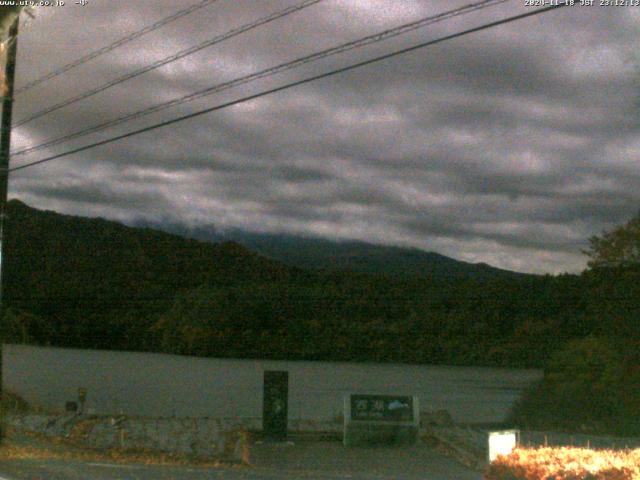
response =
{"points": [[510, 146]]}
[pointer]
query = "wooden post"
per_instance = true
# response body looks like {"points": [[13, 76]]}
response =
{"points": [[5, 147]]}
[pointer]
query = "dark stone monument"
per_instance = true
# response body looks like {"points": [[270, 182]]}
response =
{"points": [[275, 405]]}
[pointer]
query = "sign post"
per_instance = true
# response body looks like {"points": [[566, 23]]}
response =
{"points": [[275, 405], [5, 146]]}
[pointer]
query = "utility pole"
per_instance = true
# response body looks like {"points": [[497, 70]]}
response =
{"points": [[5, 146]]}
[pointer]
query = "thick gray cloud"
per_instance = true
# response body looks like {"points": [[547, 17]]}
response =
{"points": [[510, 146]]}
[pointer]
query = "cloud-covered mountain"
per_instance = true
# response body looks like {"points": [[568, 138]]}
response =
{"points": [[321, 254]]}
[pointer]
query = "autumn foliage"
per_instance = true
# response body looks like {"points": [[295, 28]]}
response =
{"points": [[565, 464]]}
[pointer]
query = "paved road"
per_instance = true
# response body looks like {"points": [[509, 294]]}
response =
{"points": [[63, 470], [321, 461]]}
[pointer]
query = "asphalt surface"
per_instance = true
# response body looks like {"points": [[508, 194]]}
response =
{"points": [[317, 460]]}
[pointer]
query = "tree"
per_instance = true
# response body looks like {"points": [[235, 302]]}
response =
{"points": [[619, 247], [22, 327], [587, 386]]}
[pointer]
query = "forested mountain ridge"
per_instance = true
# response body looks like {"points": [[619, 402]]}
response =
{"points": [[93, 283], [84, 273], [341, 255]]}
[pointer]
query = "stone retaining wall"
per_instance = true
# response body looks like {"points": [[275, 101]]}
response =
{"points": [[202, 437]]}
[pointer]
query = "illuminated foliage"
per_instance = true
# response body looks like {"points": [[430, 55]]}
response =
{"points": [[565, 464]]}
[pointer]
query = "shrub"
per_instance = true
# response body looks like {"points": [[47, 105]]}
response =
{"points": [[586, 387]]}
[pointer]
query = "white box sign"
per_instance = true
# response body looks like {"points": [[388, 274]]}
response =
{"points": [[502, 443]]}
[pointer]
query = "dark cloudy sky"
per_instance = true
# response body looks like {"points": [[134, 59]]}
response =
{"points": [[510, 146]]}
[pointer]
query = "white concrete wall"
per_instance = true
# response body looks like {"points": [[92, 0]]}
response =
{"points": [[149, 384]]}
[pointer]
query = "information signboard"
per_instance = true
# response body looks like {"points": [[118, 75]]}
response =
{"points": [[382, 408], [375, 418]]}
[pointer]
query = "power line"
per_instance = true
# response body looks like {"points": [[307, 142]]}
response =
{"points": [[170, 59], [384, 35], [116, 44], [293, 84]]}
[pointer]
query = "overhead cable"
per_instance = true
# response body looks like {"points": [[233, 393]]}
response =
{"points": [[172, 58], [291, 85], [114, 45], [370, 39]]}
